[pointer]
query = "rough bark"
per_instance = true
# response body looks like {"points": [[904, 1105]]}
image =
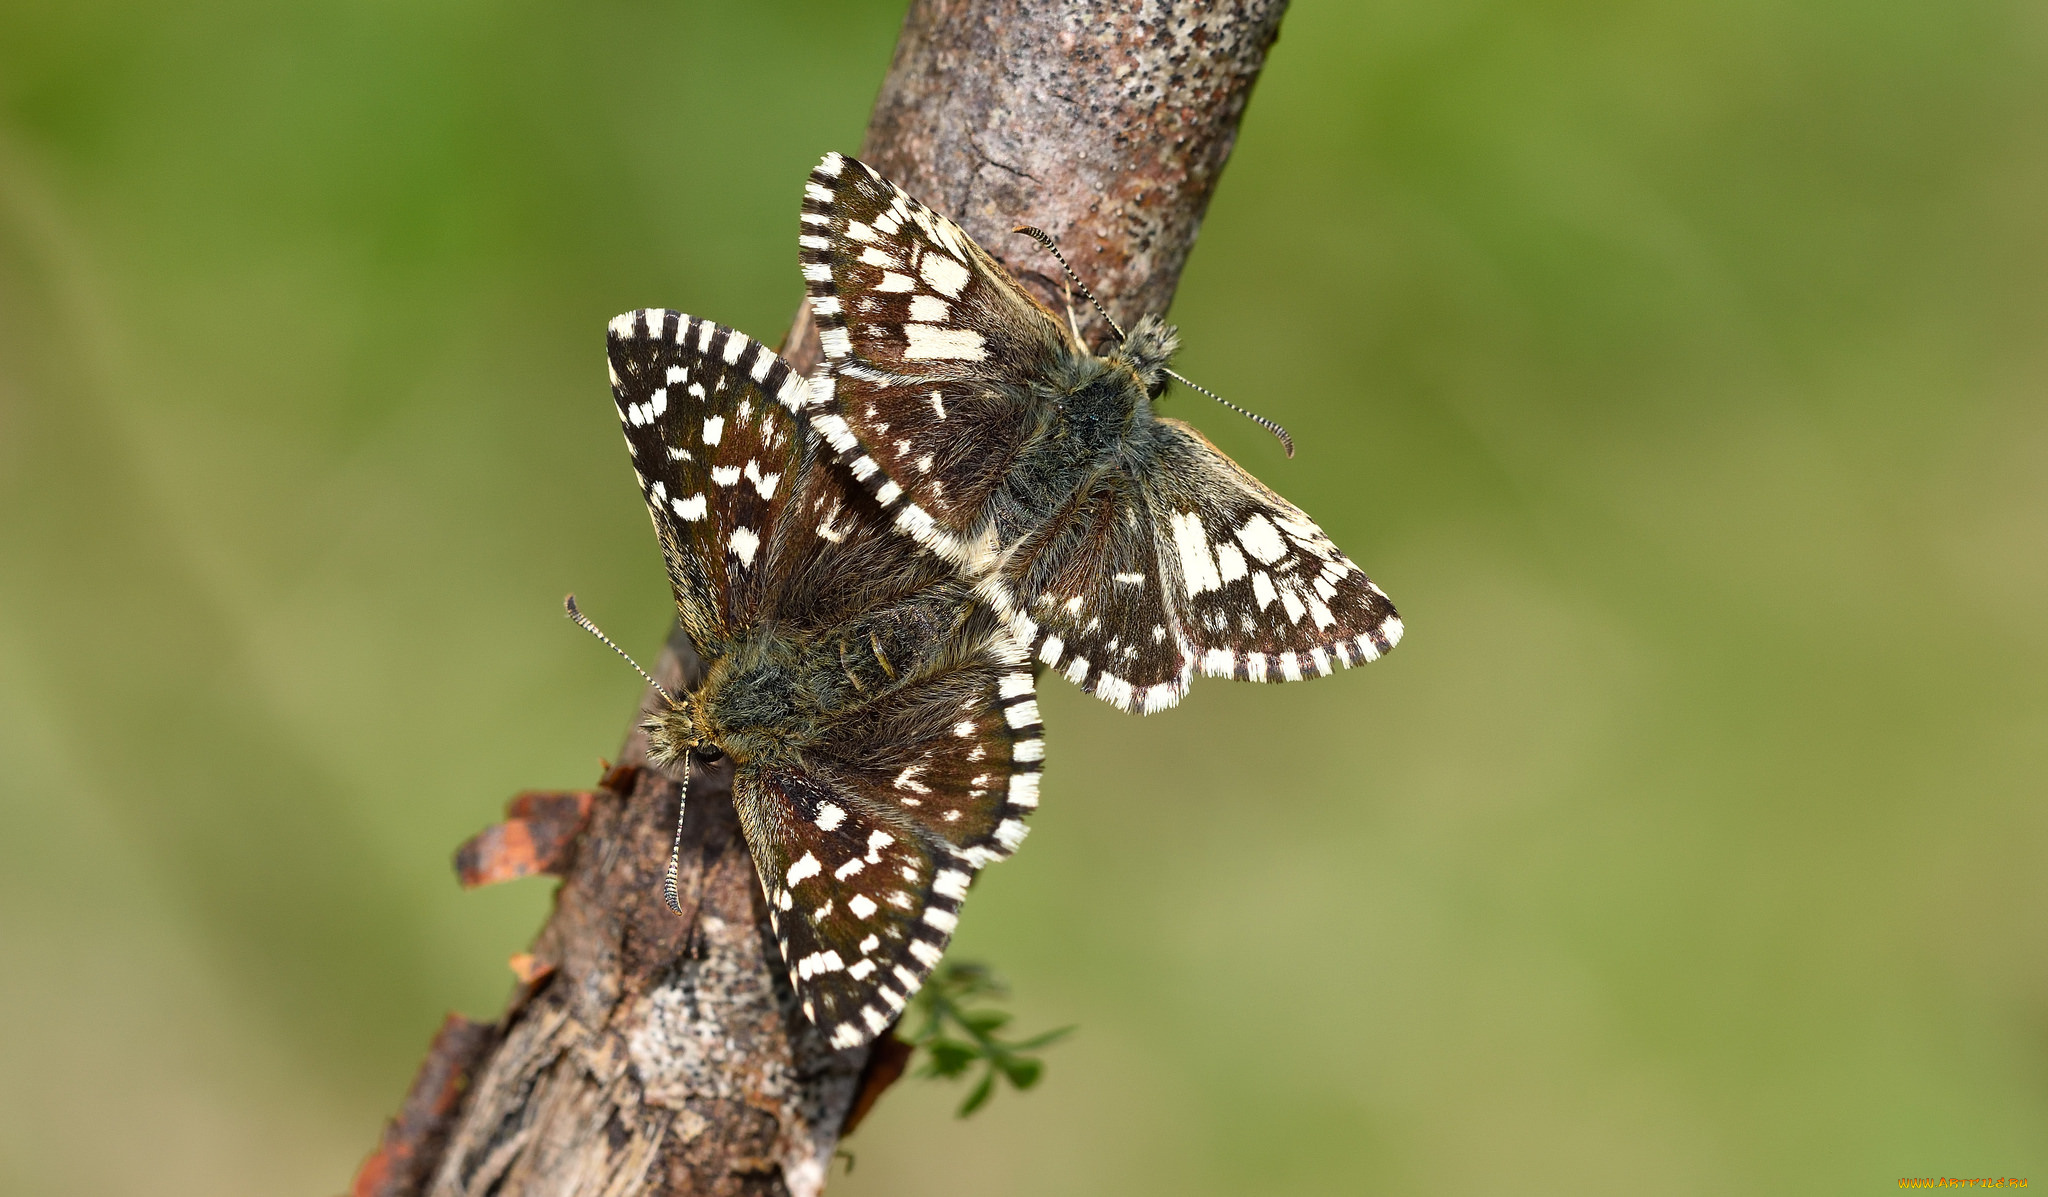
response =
{"points": [[649, 1054]]}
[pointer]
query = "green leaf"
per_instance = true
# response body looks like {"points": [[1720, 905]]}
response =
{"points": [[955, 1039], [1038, 1041], [950, 1057], [1023, 1073], [981, 1094], [985, 1022]]}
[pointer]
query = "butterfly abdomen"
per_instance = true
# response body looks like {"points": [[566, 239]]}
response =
{"points": [[902, 642]]}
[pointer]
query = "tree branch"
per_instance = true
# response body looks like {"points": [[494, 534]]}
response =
{"points": [[648, 1054]]}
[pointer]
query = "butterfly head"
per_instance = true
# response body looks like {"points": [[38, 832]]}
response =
{"points": [[743, 710], [675, 730], [1147, 350]]}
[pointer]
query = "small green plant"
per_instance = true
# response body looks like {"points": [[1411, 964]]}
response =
{"points": [[955, 1038]]}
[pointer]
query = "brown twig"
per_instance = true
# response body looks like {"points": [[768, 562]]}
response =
{"points": [[648, 1054]]}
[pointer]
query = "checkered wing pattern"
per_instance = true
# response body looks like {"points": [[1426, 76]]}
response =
{"points": [[706, 415], [1087, 588], [865, 854], [1260, 593], [835, 556], [930, 345]]}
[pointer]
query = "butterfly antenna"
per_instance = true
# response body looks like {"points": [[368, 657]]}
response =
{"points": [[675, 854], [583, 622], [1285, 440], [1039, 236]]}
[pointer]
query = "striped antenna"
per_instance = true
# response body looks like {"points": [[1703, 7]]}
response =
{"points": [[1039, 236], [1285, 440], [583, 622], [675, 854]]}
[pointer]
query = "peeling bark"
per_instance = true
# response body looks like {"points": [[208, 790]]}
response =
{"points": [[648, 1054]]}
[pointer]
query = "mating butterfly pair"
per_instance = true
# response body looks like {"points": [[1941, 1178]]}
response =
{"points": [[877, 700]]}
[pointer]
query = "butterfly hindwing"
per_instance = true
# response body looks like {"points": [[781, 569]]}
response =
{"points": [[706, 413], [928, 341], [1087, 588], [865, 855], [1263, 595]]}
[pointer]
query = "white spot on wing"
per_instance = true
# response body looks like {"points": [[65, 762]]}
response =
{"points": [[1262, 539], [946, 276], [745, 544], [1230, 564], [1198, 568], [932, 342]]}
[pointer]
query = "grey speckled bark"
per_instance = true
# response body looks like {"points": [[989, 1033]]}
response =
{"points": [[665, 1055]]}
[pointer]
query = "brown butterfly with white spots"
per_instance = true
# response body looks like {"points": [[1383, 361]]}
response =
{"points": [[882, 723], [1127, 550]]}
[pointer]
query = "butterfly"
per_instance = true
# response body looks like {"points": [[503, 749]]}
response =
{"points": [[882, 724], [1122, 545]]}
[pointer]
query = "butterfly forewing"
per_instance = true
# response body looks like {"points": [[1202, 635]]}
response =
{"points": [[1263, 595], [865, 855], [929, 342], [835, 556], [704, 412]]}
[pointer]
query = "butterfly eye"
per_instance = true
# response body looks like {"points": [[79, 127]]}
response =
{"points": [[709, 754]]}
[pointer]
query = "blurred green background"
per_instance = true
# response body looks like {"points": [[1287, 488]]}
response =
{"points": [[1678, 368]]}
